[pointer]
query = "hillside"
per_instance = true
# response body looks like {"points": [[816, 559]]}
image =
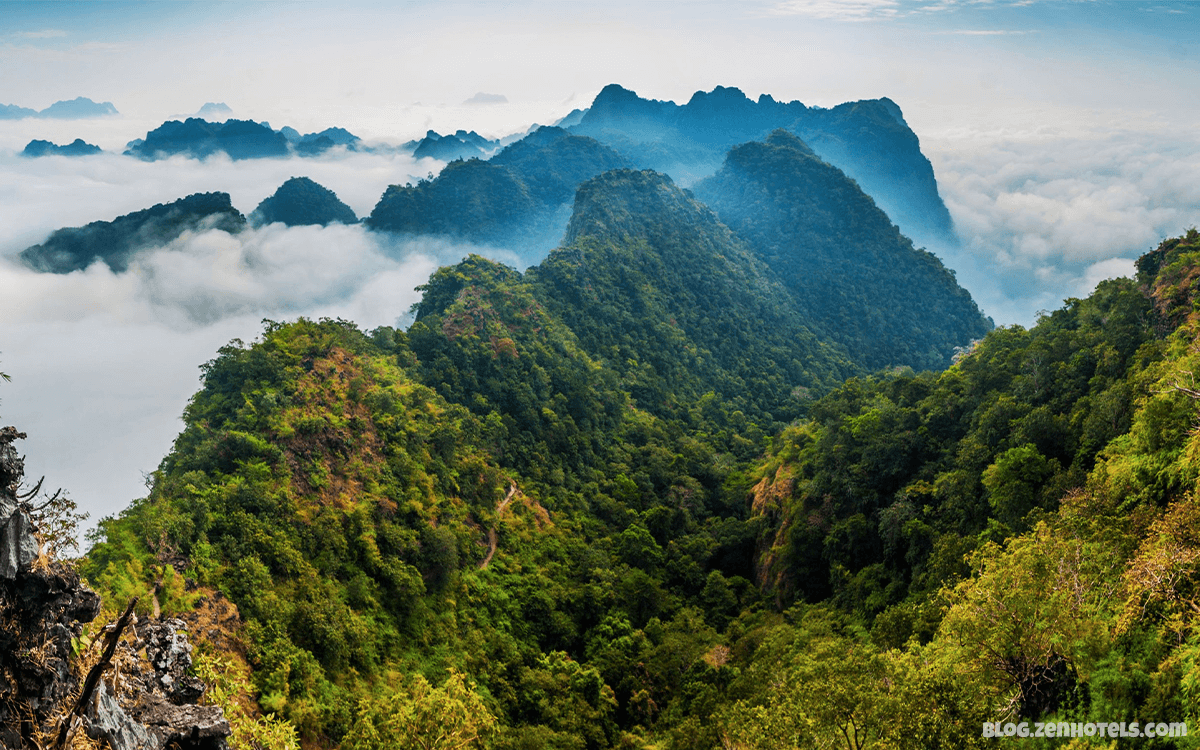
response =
{"points": [[302, 202], [483, 524], [848, 269], [116, 242]]}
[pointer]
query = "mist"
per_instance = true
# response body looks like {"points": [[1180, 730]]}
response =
{"points": [[103, 364]]}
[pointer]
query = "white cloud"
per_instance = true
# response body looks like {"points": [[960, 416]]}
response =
{"points": [[102, 364], [1046, 213]]}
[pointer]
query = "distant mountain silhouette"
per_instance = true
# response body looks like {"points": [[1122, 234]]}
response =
{"points": [[520, 199], [78, 147], [869, 140], [75, 109], [240, 139], [459, 145], [13, 112], [300, 202], [116, 242], [213, 110]]}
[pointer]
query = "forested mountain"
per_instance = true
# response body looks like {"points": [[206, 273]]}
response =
{"points": [[301, 202], [239, 139], [869, 140], [655, 285], [500, 525], [849, 270], [116, 242], [519, 199], [77, 147]]}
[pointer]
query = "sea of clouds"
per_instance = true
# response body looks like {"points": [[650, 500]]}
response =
{"points": [[103, 364]]}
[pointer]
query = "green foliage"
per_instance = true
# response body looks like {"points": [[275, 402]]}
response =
{"points": [[229, 688], [855, 278], [558, 513], [416, 715]]}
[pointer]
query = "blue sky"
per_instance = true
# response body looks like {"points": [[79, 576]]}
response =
{"points": [[1062, 134]]}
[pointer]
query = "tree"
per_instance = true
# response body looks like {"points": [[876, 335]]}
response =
{"points": [[418, 716]]}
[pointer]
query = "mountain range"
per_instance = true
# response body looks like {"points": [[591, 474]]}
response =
{"points": [[729, 463]]}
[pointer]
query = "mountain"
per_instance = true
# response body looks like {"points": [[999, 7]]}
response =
{"points": [[300, 202], [13, 112], [655, 285], [520, 198], [458, 145], [634, 497], [213, 110], [239, 139], [78, 108], [869, 140], [116, 242], [313, 144], [75, 109], [849, 270], [78, 147]]}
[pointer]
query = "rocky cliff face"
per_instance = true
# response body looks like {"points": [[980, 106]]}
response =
{"points": [[143, 700]]}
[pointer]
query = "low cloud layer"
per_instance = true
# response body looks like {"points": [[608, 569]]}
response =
{"points": [[103, 364], [1047, 211]]}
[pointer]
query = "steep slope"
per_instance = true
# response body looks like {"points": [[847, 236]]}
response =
{"points": [[301, 202], [848, 268], [116, 242], [869, 140], [654, 285]]}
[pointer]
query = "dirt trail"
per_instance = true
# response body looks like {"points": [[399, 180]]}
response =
{"points": [[493, 537]]}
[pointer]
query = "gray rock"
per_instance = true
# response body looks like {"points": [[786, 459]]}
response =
{"points": [[107, 720], [18, 546], [170, 654], [188, 727]]}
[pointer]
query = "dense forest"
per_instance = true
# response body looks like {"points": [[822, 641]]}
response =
{"points": [[646, 495]]}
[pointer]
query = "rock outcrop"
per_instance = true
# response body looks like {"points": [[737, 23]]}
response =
{"points": [[147, 702]]}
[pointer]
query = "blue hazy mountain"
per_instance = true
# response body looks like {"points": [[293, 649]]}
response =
{"points": [[13, 112], [868, 140], [75, 109], [458, 145], [850, 271], [520, 199], [300, 202], [312, 144], [77, 147], [239, 139], [116, 242], [214, 110]]}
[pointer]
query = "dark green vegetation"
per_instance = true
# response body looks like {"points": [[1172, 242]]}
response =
{"points": [[239, 139], [519, 199], [116, 242], [868, 140], [77, 147], [811, 225], [641, 496], [301, 202]]}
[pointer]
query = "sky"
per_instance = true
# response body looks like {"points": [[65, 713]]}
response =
{"points": [[1061, 133]]}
